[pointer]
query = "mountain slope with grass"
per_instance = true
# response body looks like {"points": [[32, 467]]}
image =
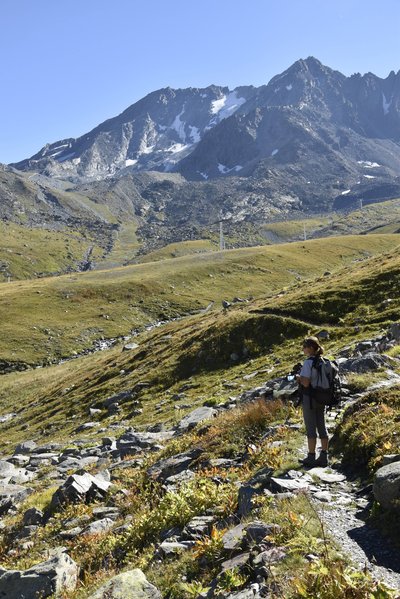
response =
{"points": [[203, 501], [47, 319]]}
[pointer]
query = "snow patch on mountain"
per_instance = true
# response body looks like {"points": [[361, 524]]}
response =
{"points": [[274, 152], [225, 169], [194, 134], [129, 162], [227, 105], [385, 104], [179, 126], [368, 164]]}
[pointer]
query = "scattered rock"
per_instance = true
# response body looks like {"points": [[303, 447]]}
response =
{"points": [[99, 526], [174, 465], [366, 363], [128, 585], [391, 458], [233, 538], [80, 487], [257, 531], [195, 417], [386, 486], [326, 476], [58, 574], [25, 448], [33, 516]]}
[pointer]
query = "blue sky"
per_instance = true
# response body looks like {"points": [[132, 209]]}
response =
{"points": [[67, 66]]}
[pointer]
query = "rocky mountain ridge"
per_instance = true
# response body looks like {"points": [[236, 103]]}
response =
{"points": [[310, 133]]}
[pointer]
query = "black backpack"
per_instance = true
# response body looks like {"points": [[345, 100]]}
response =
{"points": [[328, 390]]}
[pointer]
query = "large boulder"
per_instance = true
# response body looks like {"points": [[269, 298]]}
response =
{"points": [[49, 578], [387, 486], [80, 487], [366, 363], [128, 585]]}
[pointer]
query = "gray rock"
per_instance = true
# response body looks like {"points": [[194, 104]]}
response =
{"points": [[233, 538], [99, 526], [257, 531], [25, 448], [386, 486], [6, 469], [269, 556], [323, 496], [394, 331], [86, 426], [128, 585], [236, 562], [246, 495], [368, 362], [71, 533], [288, 484], [130, 346], [391, 458], [195, 417], [106, 512], [170, 548], [118, 398], [326, 476], [19, 460], [33, 516], [54, 576], [174, 465], [177, 479], [7, 417], [80, 487], [15, 492], [198, 526]]}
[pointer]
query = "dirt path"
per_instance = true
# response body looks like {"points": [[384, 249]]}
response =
{"points": [[343, 510]]}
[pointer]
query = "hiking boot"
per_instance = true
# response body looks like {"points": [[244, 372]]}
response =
{"points": [[322, 460], [309, 460]]}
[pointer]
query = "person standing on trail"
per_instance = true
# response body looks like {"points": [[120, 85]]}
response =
{"points": [[313, 412]]}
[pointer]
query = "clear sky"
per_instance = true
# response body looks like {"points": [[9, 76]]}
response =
{"points": [[68, 65]]}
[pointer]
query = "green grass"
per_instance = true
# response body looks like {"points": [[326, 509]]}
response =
{"points": [[27, 252], [46, 319], [369, 430], [194, 356], [177, 250], [383, 217]]}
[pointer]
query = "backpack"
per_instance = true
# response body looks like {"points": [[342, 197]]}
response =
{"points": [[328, 390]]}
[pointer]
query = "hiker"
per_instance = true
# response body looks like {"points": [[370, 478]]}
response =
{"points": [[313, 412]]}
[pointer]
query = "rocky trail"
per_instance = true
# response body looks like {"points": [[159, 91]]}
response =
{"points": [[343, 507]]}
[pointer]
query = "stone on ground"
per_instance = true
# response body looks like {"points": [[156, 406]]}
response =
{"points": [[128, 585]]}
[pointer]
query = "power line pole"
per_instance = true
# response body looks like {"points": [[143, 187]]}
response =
{"points": [[304, 232], [221, 237], [361, 204]]}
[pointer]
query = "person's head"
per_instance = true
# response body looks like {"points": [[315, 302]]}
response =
{"points": [[312, 346]]}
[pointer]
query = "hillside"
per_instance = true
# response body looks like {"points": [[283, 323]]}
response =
{"points": [[51, 318], [124, 411]]}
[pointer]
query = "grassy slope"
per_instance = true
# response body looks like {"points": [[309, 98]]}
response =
{"points": [[27, 252], [49, 318], [383, 217], [198, 350]]}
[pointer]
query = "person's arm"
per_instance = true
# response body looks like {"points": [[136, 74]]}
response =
{"points": [[304, 378], [304, 381]]}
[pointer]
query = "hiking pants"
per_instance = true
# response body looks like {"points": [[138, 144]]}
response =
{"points": [[314, 418]]}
